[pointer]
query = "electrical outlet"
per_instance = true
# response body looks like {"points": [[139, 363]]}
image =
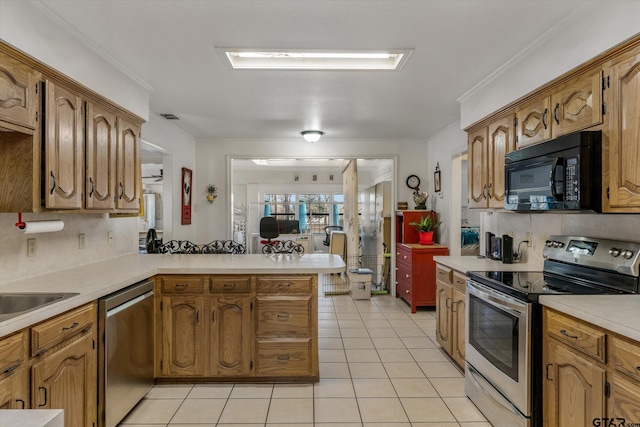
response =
{"points": [[110, 237], [81, 241], [31, 247], [529, 239]]}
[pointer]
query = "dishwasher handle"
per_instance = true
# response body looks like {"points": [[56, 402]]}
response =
{"points": [[114, 300], [128, 304]]}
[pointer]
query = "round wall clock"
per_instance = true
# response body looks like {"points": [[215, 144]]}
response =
{"points": [[413, 182]]}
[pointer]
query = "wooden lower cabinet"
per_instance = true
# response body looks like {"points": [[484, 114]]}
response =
{"points": [[237, 327], [14, 390], [230, 337], [67, 380], [183, 335], [591, 374], [450, 312]]}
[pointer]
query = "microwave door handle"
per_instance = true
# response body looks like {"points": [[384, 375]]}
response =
{"points": [[552, 179]]}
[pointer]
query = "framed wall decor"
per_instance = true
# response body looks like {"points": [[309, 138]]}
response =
{"points": [[187, 185], [436, 180]]}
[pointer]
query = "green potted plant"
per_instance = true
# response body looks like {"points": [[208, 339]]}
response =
{"points": [[426, 228]]}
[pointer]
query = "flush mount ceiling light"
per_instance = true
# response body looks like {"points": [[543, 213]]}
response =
{"points": [[309, 59], [262, 162], [312, 135]]}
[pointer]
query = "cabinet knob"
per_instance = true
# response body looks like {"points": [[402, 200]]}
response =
{"points": [[405, 257], [406, 275], [406, 291]]}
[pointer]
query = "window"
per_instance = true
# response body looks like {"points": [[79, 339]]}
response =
{"points": [[282, 206]]}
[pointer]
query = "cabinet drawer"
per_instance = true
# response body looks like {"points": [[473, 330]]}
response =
{"points": [[579, 335], [61, 328], [403, 274], [283, 357], [283, 315], [12, 352], [230, 284], [182, 284], [625, 356], [403, 254], [459, 281], [444, 274], [285, 284]]}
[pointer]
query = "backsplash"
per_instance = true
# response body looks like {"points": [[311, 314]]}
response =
{"points": [[60, 250], [542, 225]]}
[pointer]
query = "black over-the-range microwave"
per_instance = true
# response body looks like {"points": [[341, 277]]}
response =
{"points": [[562, 174]]}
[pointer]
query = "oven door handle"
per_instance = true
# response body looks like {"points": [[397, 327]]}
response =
{"points": [[496, 299]]}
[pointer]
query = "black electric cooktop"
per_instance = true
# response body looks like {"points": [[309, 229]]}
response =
{"points": [[529, 285]]}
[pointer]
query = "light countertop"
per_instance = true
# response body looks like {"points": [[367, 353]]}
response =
{"points": [[473, 263], [93, 281], [32, 417], [617, 313]]}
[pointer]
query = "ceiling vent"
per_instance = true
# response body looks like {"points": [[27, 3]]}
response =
{"points": [[170, 116]]}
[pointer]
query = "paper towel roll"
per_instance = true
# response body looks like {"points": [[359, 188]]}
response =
{"points": [[33, 227]]}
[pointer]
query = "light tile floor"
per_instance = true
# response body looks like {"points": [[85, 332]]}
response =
{"points": [[380, 366]]}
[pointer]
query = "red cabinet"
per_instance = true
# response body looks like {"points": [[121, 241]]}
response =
{"points": [[416, 273]]}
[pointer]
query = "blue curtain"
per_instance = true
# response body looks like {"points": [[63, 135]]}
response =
{"points": [[302, 217], [336, 215], [267, 210]]}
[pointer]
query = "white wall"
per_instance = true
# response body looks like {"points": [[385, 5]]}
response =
{"points": [[29, 26], [212, 159], [442, 148], [180, 151], [592, 29]]}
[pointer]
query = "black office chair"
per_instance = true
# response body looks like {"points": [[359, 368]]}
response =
{"points": [[269, 229], [327, 230]]}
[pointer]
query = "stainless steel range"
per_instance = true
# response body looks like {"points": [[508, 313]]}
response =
{"points": [[504, 320]]}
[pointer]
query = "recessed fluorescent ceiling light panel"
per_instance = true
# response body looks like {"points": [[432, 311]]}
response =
{"points": [[261, 162], [299, 59]]}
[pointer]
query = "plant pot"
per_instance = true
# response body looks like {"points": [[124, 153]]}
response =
{"points": [[426, 237], [211, 197]]}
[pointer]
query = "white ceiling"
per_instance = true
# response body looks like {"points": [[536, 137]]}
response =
{"points": [[170, 44]]}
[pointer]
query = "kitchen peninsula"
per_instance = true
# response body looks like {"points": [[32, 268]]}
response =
{"points": [[216, 318]]}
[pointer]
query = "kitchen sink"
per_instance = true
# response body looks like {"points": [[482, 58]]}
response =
{"points": [[15, 304]]}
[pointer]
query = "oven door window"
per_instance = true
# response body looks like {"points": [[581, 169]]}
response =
{"points": [[494, 334], [535, 185]]}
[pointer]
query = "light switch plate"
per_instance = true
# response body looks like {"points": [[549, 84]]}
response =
{"points": [[31, 247]]}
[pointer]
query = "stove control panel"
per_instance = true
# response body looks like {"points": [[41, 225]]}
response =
{"points": [[613, 255]]}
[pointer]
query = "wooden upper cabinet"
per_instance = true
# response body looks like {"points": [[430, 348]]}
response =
{"points": [[501, 141], [64, 148], [533, 122], [577, 104], [624, 148], [128, 170], [100, 177], [477, 170], [18, 93]]}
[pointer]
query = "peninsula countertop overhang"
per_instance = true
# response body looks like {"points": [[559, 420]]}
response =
{"points": [[93, 281]]}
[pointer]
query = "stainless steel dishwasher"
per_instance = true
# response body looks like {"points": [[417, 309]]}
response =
{"points": [[126, 351]]}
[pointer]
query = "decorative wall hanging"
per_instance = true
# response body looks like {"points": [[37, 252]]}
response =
{"points": [[187, 184], [436, 179], [211, 191]]}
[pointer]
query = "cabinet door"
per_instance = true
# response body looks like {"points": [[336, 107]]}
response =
{"points": [[577, 105], [18, 93], [100, 178], [183, 335], [501, 141], [64, 148], [624, 154], [534, 125], [573, 390], [128, 160], [67, 380], [477, 168], [443, 315], [458, 307], [230, 335], [14, 391], [625, 399]]}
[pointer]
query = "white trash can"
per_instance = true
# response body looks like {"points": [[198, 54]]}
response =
{"points": [[360, 282]]}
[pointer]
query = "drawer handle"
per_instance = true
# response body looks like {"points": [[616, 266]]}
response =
{"points": [[229, 285], [11, 368], [181, 285], [41, 352], [45, 396], [68, 328], [284, 358], [637, 368], [284, 285], [567, 334], [406, 291], [406, 275], [282, 316], [405, 257]]}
